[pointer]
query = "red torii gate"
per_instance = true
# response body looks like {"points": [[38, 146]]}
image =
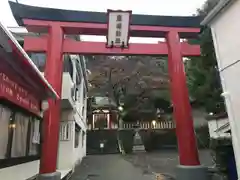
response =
{"points": [[56, 23]]}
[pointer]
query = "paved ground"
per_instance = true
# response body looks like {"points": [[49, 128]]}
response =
{"points": [[141, 166], [163, 162], [108, 167]]}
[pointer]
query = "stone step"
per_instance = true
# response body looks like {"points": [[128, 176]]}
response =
{"points": [[138, 148]]}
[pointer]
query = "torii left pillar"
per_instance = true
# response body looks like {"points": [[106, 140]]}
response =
{"points": [[53, 73]]}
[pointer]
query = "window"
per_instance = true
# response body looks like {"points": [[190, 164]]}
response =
{"points": [[83, 138], [119, 17], [34, 141], [84, 93], [76, 94], [77, 135], [83, 111], [67, 65], [19, 140], [19, 137], [39, 59], [5, 115], [79, 72], [84, 99], [65, 131]]}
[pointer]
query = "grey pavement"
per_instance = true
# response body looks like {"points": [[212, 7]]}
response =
{"points": [[139, 166], [165, 161], [108, 167]]}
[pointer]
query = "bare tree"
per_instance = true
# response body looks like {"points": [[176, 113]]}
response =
{"points": [[121, 77]]}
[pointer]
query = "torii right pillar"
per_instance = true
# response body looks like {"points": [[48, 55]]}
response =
{"points": [[189, 167]]}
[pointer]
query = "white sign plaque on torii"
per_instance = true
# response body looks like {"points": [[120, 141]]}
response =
{"points": [[118, 28]]}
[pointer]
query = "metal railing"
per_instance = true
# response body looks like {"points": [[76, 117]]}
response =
{"points": [[149, 125], [142, 125]]}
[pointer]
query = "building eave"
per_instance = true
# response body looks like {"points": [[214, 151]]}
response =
{"points": [[24, 59], [222, 5]]}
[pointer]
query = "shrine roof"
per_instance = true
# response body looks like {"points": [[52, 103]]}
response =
{"points": [[15, 59], [21, 11]]}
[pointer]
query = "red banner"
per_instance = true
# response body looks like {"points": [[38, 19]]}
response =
{"points": [[12, 91]]}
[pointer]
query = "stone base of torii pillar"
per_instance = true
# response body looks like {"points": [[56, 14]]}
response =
{"points": [[49, 176], [192, 173]]}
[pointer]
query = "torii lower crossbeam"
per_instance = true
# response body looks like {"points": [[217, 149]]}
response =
{"points": [[39, 44]]}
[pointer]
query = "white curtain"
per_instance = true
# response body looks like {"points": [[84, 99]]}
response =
{"points": [[34, 137], [5, 114], [19, 143]]}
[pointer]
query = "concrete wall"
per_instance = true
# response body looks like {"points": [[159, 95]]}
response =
{"points": [[26, 171], [67, 85], [20, 172], [68, 154], [225, 31]]}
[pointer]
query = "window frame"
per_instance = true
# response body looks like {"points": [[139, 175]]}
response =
{"points": [[39, 59], [83, 138], [68, 65], [79, 75], [13, 161], [77, 134]]}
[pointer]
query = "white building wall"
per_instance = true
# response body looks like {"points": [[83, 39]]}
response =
{"points": [[80, 151], [69, 155], [65, 157], [20, 172], [225, 31], [66, 87]]}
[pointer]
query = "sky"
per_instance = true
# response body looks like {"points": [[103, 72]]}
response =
{"points": [[152, 7]]}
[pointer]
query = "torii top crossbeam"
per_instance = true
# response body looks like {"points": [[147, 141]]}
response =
{"points": [[37, 19], [141, 25]]}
